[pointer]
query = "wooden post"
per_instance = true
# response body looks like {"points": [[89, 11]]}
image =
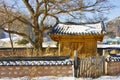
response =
{"points": [[76, 65], [59, 48], [106, 68], [75, 58], [103, 52], [104, 65]]}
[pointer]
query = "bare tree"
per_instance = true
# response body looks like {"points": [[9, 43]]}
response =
{"points": [[42, 12], [9, 24]]}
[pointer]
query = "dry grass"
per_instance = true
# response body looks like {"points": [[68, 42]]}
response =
{"points": [[28, 53]]}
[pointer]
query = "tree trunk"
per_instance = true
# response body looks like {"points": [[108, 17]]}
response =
{"points": [[38, 43], [11, 39], [11, 43]]}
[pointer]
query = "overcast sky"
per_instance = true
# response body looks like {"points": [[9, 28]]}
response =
{"points": [[116, 11]]}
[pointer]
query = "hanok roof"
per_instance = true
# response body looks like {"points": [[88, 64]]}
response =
{"points": [[67, 29]]}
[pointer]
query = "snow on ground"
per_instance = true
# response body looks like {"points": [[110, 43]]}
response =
{"points": [[108, 46], [5, 42], [62, 78]]}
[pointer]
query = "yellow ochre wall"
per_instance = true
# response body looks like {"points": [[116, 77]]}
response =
{"points": [[86, 46]]}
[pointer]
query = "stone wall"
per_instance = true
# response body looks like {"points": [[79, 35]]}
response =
{"points": [[20, 71], [112, 68], [36, 66], [112, 64]]}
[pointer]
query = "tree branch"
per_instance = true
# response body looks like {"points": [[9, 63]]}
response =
{"points": [[25, 21], [57, 19], [21, 34], [37, 7], [45, 15], [29, 7], [10, 21]]}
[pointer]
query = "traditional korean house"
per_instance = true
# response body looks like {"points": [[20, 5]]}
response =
{"points": [[82, 38]]}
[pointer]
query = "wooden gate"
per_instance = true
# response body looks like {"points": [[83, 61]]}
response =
{"points": [[90, 67]]}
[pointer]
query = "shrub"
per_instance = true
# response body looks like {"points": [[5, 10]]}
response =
{"points": [[23, 41]]}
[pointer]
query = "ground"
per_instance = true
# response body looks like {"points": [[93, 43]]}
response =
{"points": [[63, 78]]}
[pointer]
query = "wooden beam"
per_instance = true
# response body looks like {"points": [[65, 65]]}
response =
{"points": [[76, 38], [59, 48]]}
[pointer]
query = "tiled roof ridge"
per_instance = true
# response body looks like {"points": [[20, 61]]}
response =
{"points": [[35, 63], [71, 29]]}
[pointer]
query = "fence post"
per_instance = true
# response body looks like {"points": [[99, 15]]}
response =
{"points": [[76, 65], [106, 68]]}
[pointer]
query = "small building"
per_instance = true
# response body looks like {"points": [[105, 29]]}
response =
{"points": [[82, 38]]}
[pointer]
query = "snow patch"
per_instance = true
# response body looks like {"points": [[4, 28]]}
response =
{"points": [[95, 28], [62, 78], [5, 42]]}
